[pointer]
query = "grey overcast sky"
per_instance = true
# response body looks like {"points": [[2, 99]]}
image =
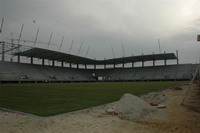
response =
{"points": [[137, 24]]}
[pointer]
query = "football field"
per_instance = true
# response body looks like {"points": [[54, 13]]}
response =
{"points": [[57, 98]]}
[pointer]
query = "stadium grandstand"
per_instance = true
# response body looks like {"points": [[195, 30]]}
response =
{"points": [[20, 72]]}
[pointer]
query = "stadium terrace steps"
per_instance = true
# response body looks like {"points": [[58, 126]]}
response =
{"points": [[10, 71]]}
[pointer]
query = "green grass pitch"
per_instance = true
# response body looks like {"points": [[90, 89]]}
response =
{"points": [[52, 99]]}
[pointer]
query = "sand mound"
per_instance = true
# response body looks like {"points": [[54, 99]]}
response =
{"points": [[155, 97], [132, 108]]}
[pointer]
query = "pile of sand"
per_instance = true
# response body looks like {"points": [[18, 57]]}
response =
{"points": [[155, 97], [133, 108]]}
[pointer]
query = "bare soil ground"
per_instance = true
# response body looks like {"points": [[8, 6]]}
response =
{"points": [[173, 119]]}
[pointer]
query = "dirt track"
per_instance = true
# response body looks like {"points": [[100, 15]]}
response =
{"points": [[173, 119], [176, 118]]}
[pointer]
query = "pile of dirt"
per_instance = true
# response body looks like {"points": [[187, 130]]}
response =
{"points": [[133, 108], [155, 97]]}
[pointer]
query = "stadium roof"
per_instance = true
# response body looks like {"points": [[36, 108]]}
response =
{"points": [[59, 56], [153, 57]]}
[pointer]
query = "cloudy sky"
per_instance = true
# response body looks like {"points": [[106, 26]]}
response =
{"points": [[100, 24]]}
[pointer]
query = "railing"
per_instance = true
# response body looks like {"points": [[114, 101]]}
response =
{"points": [[194, 76]]}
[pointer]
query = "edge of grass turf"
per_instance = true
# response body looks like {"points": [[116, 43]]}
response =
{"points": [[81, 110], [18, 112], [33, 115]]}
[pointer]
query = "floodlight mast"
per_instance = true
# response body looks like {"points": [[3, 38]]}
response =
{"points": [[80, 48], [159, 45], [61, 43], [113, 51], [71, 46], [87, 51], [1, 25], [123, 50], [18, 45], [12, 46], [49, 40], [36, 38], [20, 35]]}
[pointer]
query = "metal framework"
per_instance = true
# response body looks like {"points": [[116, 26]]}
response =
{"points": [[40, 53]]}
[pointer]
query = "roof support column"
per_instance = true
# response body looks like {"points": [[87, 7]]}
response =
{"points": [[104, 64], [142, 63], [53, 63], [77, 66], [132, 64], [153, 62], [122, 65], [165, 62], [85, 66], [114, 66], [177, 57], [95, 66], [3, 53], [18, 58], [43, 61], [62, 64], [31, 60], [70, 65]]}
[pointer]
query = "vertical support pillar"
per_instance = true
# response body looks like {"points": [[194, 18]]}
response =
{"points": [[95, 66], [153, 60], [114, 66], [165, 61], [104, 64], [43, 61], [3, 52], [142, 63], [122, 65], [177, 57], [18, 57], [53, 63], [85, 66], [77, 66], [62, 64], [31, 60], [132, 64], [70, 65]]}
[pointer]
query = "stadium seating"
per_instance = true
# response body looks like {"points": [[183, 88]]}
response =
{"points": [[10, 71]]}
